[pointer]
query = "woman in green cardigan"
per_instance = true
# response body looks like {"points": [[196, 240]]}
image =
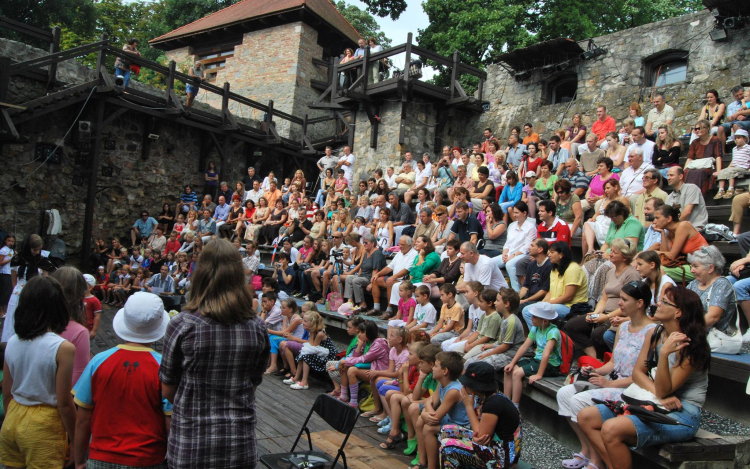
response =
{"points": [[425, 263]]}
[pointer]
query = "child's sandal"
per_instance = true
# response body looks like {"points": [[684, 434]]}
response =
{"points": [[395, 440], [368, 414]]}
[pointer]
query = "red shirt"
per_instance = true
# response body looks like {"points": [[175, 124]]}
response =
{"points": [[602, 128], [559, 231], [413, 378], [93, 307], [172, 247]]}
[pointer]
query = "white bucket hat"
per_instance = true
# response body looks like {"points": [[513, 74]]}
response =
{"points": [[741, 133], [89, 279], [544, 311], [142, 320]]}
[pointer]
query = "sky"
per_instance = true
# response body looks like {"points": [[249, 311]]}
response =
{"points": [[411, 19]]}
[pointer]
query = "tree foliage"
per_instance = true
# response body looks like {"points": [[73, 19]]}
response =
{"points": [[383, 8], [181, 12], [75, 15], [364, 23]]}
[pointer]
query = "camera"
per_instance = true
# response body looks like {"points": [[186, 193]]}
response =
{"points": [[594, 316], [338, 256]]}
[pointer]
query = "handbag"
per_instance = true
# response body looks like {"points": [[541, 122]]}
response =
{"points": [[700, 163], [335, 300], [676, 262], [721, 342], [542, 195]]}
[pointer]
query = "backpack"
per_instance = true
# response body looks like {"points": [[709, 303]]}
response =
{"points": [[566, 352]]}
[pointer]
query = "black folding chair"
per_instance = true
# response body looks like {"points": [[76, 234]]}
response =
{"points": [[339, 415]]}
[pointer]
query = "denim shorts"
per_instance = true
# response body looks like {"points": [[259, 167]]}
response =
{"points": [[652, 434], [191, 89]]}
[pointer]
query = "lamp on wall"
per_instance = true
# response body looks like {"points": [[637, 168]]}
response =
{"points": [[718, 34], [523, 75]]}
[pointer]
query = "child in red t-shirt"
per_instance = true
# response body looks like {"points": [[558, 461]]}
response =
{"points": [[101, 287], [93, 307]]}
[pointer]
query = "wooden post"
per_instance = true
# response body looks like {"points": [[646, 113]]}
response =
{"points": [[88, 219], [100, 60], [304, 132], [225, 103], [170, 82], [335, 81], [480, 90], [4, 78], [454, 73], [407, 59], [365, 69], [53, 48], [269, 118]]}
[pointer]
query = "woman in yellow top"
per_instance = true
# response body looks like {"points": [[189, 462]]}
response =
{"points": [[568, 284]]}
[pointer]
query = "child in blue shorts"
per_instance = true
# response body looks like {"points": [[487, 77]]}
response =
{"points": [[548, 357]]}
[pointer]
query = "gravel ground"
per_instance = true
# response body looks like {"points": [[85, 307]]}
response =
{"points": [[721, 425], [541, 450]]}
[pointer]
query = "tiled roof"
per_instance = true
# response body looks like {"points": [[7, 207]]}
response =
{"points": [[249, 9]]}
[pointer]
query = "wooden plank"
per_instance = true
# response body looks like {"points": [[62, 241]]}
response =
{"points": [[359, 453]]}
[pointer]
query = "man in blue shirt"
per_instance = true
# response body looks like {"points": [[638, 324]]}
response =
{"points": [[142, 228], [206, 227], [738, 116], [221, 214], [162, 285], [515, 151], [188, 200]]}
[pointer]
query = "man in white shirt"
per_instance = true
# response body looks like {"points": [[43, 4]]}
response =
{"points": [[390, 277], [390, 177], [631, 180], [521, 233], [640, 141], [379, 203], [427, 163], [254, 194], [347, 163], [408, 159], [480, 268]]}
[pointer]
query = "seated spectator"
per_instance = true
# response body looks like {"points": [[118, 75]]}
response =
{"points": [[483, 187], [739, 167], [448, 271], [624, 226], [207, 203], [640, 141], [206, 227], [678, 239], [142, 228], [528, 193], [515, 151], [568, 283], [551, 228], [596, 228], [576, 135], [587, 331], [557, 155], [515, 252], [738, 112], [616, 152], [224, 191], [443, 229], [714, 112], [270, 229], [466, 227], [689, 198], [239, 190], [272, 194], [603, 125], [536, 282], [578, 179], [480, 268], [425, 224], [590, 155], [496, 232], [358, 279], [651, 183], [628, 125], [341, 223], [404, 180], [569, 205], [610, 380], [635, 113], [266, 184], [650, 236], [739, 203], [390, 177], [546, 181], [478, 163], [166, 218], [682, 376], [401, 215], [425, 262], [512, 193], [631, 180], [531, 136], [392, 274], [661, 114], [718, 299], [705, 153], [421, 178], [188, 200]]}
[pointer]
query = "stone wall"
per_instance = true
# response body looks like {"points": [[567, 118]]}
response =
{"points": [[617, 79]]}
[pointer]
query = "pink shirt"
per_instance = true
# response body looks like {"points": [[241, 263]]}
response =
{"points": [[404, 306], [376, 356], [597, 185], [303, 252], [78, 335], [398, 358]]}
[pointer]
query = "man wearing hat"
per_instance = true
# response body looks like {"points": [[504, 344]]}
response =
{"points": [[122, 418], [739, 167]]}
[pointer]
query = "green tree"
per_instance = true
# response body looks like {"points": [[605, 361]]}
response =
{"points": [[383, 8], [364, 23], [75, 15], [181, 12]]}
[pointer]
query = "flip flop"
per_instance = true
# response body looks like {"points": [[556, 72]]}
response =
{"points": [[368, 414], [376, 419]]}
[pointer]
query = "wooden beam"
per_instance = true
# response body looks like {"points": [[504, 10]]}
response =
{"points": [[4, 78], [8, 124], [114, 115], [106, 83], [228, 122], [454, 73], [53, 48], [365, 69], [88, 218]]}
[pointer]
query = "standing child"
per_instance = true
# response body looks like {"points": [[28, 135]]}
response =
{"points": [[376, 355], [489, 325], [352, 328], [397, 357], [510, 338], [406, 306], [114, 281], [548, 357], [37, 374], [451, 316], [456, 344], [291, 324], [316, 360], [101, 289], [445, 407], [93, 307], [424, 313], [104, 388]]}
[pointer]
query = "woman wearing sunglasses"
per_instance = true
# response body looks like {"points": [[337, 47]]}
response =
{"points": [[673, 365], [633, 302]]}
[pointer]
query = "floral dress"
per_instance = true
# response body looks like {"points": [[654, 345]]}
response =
{"points": [[458, 451]]}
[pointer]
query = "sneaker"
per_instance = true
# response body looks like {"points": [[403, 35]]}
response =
{"points": [[746, 337], [385, 430], [415, 461], [384, 422], [729, 194], [297, 295], [720, 195]]}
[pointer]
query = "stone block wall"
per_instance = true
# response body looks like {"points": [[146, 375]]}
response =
{"points": [[617, 79]]}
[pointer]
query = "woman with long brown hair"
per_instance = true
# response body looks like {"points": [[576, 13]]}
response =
{"points": [[215, 353]]}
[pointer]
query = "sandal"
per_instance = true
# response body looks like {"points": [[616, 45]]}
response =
{"points": [[576, 462], [395, 440], [368, 414], [377, 419]]}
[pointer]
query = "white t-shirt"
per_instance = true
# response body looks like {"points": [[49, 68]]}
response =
{"points": [[426, 314], [348, 169], [486, 272], [475, 313], [7, 252], [648, 151], [403, 261], [631, 180]]}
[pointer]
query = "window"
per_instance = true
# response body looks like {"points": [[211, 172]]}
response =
{"points": [[215, 59], [562, 89], [667, 68]]}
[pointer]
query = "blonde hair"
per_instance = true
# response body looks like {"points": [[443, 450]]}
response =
{"points": [[316, 322], [667, 142], [308, 306], [627, 248], [403, 334], [218, 285]]}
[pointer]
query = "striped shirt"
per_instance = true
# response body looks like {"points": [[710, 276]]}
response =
{"points": [[741, 156]]}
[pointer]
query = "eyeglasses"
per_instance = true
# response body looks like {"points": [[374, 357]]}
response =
{"points": [[559, 192], [663, 301]]}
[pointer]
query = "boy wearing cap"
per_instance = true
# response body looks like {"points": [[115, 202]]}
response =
{"points": [[548, 357], [93, 307], [740, 165], [122, 417]]}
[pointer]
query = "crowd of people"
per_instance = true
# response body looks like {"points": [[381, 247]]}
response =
{"points": [[469, 258]]}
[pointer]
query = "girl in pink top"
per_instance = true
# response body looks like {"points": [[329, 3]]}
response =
{"points": [[74, 286], [604, 167], [376, 356], [398, 355], [406, 306]]}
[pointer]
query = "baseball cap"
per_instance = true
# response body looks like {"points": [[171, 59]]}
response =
{"points": [[530, 174]]}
